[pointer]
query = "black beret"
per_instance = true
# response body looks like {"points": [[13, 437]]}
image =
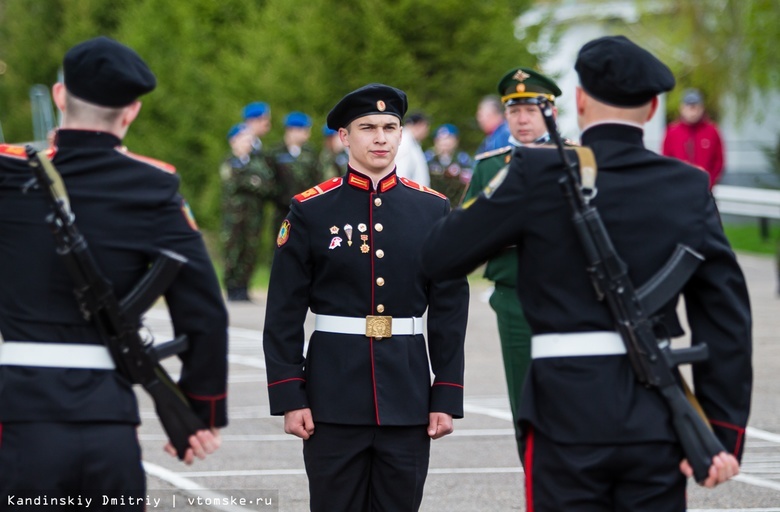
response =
{"points": [[107, 73], [368, 100], [524, 85], [617, 72]]}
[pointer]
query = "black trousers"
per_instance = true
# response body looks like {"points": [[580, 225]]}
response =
{"points": [[365, 468], [641, 477], [58, 466]]}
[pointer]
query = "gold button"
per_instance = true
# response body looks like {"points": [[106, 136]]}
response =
{"points": [[380, 308], [378, 227], [380, 253], [380, 281], [378, 201]]}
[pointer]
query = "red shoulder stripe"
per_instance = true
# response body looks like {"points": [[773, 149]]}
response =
{"points": [[325, 186], [163, 166], [20, 153], [422, 188], [13, 151]]}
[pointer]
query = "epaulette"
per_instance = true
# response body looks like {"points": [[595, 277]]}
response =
{"points": [[19, 152], [494, 152], [13, 151], [163, 166], [569, 142], [422, 188], [322, 188]]}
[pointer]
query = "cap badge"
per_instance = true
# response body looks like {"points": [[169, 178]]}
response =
{"points": [[521, 76], [380, 106], [520, 88]]}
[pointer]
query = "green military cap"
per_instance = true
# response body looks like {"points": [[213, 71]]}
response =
{"points": [[523, 85]]}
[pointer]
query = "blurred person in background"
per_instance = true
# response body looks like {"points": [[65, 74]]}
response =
{"points": [[694, 138], [410, 161], [449, 168]]}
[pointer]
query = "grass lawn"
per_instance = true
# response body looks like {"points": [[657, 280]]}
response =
{"points": [[747, 238]]}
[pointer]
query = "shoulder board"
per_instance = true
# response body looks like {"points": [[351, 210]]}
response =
{"points": [[13, 151], [318, 190], [569, 142], [422, 188], [163, 166], [19, 152], [488, 154]]}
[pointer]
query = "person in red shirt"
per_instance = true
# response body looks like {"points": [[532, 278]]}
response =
{"points": [[694, 138]]}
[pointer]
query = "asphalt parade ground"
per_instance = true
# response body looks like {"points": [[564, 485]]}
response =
{"points": [[477, 468]]}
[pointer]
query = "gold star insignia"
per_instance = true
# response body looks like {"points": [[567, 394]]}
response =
{"points": [[521, 76], [334, 230]]}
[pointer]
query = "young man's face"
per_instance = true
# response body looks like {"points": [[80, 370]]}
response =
{"points": [[526, 123], [259, 126], [691, 114], [372, 142]]}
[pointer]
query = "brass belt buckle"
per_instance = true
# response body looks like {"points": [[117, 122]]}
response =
{"points": [[379, 326]]}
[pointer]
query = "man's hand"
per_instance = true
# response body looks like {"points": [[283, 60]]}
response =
{"points": [[439, 425], [202, 443], [299, 423], [724, 466]]}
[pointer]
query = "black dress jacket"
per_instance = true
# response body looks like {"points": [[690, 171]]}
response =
{"points": [[128, 208], [349, 249], [649, 204]]}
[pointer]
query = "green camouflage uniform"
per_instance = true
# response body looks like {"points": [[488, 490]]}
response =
{"points": [[450, 176], [513, 329], [292, 175], [333, 165], [247, 184]]}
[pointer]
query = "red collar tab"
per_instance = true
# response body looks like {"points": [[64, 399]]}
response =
{"points": [[363, 182], [388, 182], [358, 180]]}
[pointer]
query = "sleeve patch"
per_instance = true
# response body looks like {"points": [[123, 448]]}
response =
{"points": [[187, 211], [284, 233]]}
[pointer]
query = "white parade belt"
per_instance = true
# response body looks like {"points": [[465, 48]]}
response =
{"points": [[577, 344], [55, 355], [370, 326]]}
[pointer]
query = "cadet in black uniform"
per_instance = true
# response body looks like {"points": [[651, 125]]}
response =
{"points": [[67, 420], [594, 438], [362, 398]]}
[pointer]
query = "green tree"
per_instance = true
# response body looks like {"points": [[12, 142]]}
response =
{"points": [[211, 58]]}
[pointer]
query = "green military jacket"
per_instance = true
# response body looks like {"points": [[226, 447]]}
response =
{"points": [[502, 269], [249, 176], [293, 174]]}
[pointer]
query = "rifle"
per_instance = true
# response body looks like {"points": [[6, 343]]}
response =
{"points": [[118, 321], [654, 361]]}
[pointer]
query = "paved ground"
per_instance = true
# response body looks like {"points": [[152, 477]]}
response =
{"points": [[476, 468]]}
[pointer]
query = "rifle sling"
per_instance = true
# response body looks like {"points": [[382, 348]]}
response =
{"points": [[588, 169]]}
